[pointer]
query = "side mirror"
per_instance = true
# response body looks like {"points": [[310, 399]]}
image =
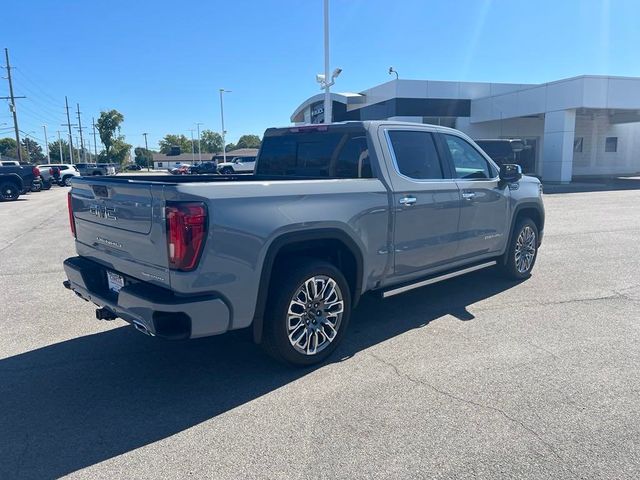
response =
{"points": [[510, 173]]}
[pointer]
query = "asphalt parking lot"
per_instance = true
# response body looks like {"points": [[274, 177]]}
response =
{"points": [[476, 377]]}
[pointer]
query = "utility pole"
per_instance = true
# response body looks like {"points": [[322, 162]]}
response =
{"points": [[146, 147], [224, 132], [60, 147], [199, 151], [46, 143], [80, 129], [69, 125], [95, 144], [12, 104]]}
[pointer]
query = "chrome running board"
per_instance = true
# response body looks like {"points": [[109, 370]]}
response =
{"points": [[439, 278]]}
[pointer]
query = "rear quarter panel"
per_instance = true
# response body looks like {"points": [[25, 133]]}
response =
{"points": [[245, 218]]}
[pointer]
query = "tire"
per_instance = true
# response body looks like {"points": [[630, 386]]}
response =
{"points": [[46, 184], [522, 251], [36, 186], [227, 171], [315, 336], [66, 181], [9, 191]]}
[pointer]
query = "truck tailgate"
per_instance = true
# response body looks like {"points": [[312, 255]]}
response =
{"points": [[121, 225]]}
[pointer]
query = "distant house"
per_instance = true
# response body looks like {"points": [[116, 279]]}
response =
{"points": [[162, 161]]}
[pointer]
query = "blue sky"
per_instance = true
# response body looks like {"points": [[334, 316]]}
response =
{"points": [[161, 63]]}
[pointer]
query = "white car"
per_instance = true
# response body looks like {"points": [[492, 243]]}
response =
{"points": [[67, 172], [238, 165]]}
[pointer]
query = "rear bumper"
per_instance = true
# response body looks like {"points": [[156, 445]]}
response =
{"points": [[160, 311]]}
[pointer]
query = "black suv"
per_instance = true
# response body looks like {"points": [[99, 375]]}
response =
{"points": [[508, 150], [205, 167]]}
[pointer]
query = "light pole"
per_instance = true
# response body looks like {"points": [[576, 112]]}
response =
{"points": [[146, 147], [46, 143], [60, 147], [224, 132], [323, 79], [199, 149], [193, 149], [393, 70]]}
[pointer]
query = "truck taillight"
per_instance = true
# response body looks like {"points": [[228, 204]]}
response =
{"points": [[186, 233], [35, 171], [72, 221]]}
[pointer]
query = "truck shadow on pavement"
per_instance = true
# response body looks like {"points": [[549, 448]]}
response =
{"points": [[74, 404]]}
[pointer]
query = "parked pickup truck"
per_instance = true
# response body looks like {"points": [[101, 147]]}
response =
{"points": [[95, 169], [60, 173], [17, 179], [331, 212]]}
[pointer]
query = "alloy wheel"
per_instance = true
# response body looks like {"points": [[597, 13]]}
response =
{"points": [[314, 315], [8, 192], [525, 250]]}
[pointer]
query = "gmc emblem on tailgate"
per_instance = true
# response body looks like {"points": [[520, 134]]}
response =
{"points": [[101, 211]]}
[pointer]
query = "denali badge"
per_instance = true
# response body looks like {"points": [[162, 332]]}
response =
{"points": [[111, 243], [101, 211]]}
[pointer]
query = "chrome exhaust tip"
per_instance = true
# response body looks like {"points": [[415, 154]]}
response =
{"points": [[141, 328]]}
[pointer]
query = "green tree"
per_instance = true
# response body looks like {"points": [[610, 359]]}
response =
{"points": [[7, 144], [120, 150], [248, 141], [229, 147], [210, 141], [33, 150], [54, 151], [171, 140], [143, 157], [108, 125]]}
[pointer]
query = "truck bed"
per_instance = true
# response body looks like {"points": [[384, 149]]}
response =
{"points": [[181, 179]]}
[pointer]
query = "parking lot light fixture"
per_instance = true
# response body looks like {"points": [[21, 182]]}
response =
{"points": [[199, 149]]}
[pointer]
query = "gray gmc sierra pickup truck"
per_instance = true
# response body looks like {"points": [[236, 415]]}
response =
{"points": [[331, 212]]}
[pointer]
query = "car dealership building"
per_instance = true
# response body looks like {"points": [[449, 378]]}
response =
{"points": [[581, 126]]}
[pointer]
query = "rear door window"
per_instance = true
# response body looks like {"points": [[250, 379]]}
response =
{"points": [[416, 155], [468, 162], [324, 155]]}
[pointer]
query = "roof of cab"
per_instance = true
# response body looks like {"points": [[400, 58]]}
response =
{"points": [[365, 124]]}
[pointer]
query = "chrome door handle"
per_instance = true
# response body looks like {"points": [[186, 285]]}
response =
{"points": [[408, 201], [468, 195]]}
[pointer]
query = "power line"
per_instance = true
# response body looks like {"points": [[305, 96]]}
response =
{"points": [[32, 136], [21, 71], [40, 116], [41, 98], [44, 108]]}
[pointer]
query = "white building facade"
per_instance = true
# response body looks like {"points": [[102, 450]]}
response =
{"points": [[582, 126]]}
